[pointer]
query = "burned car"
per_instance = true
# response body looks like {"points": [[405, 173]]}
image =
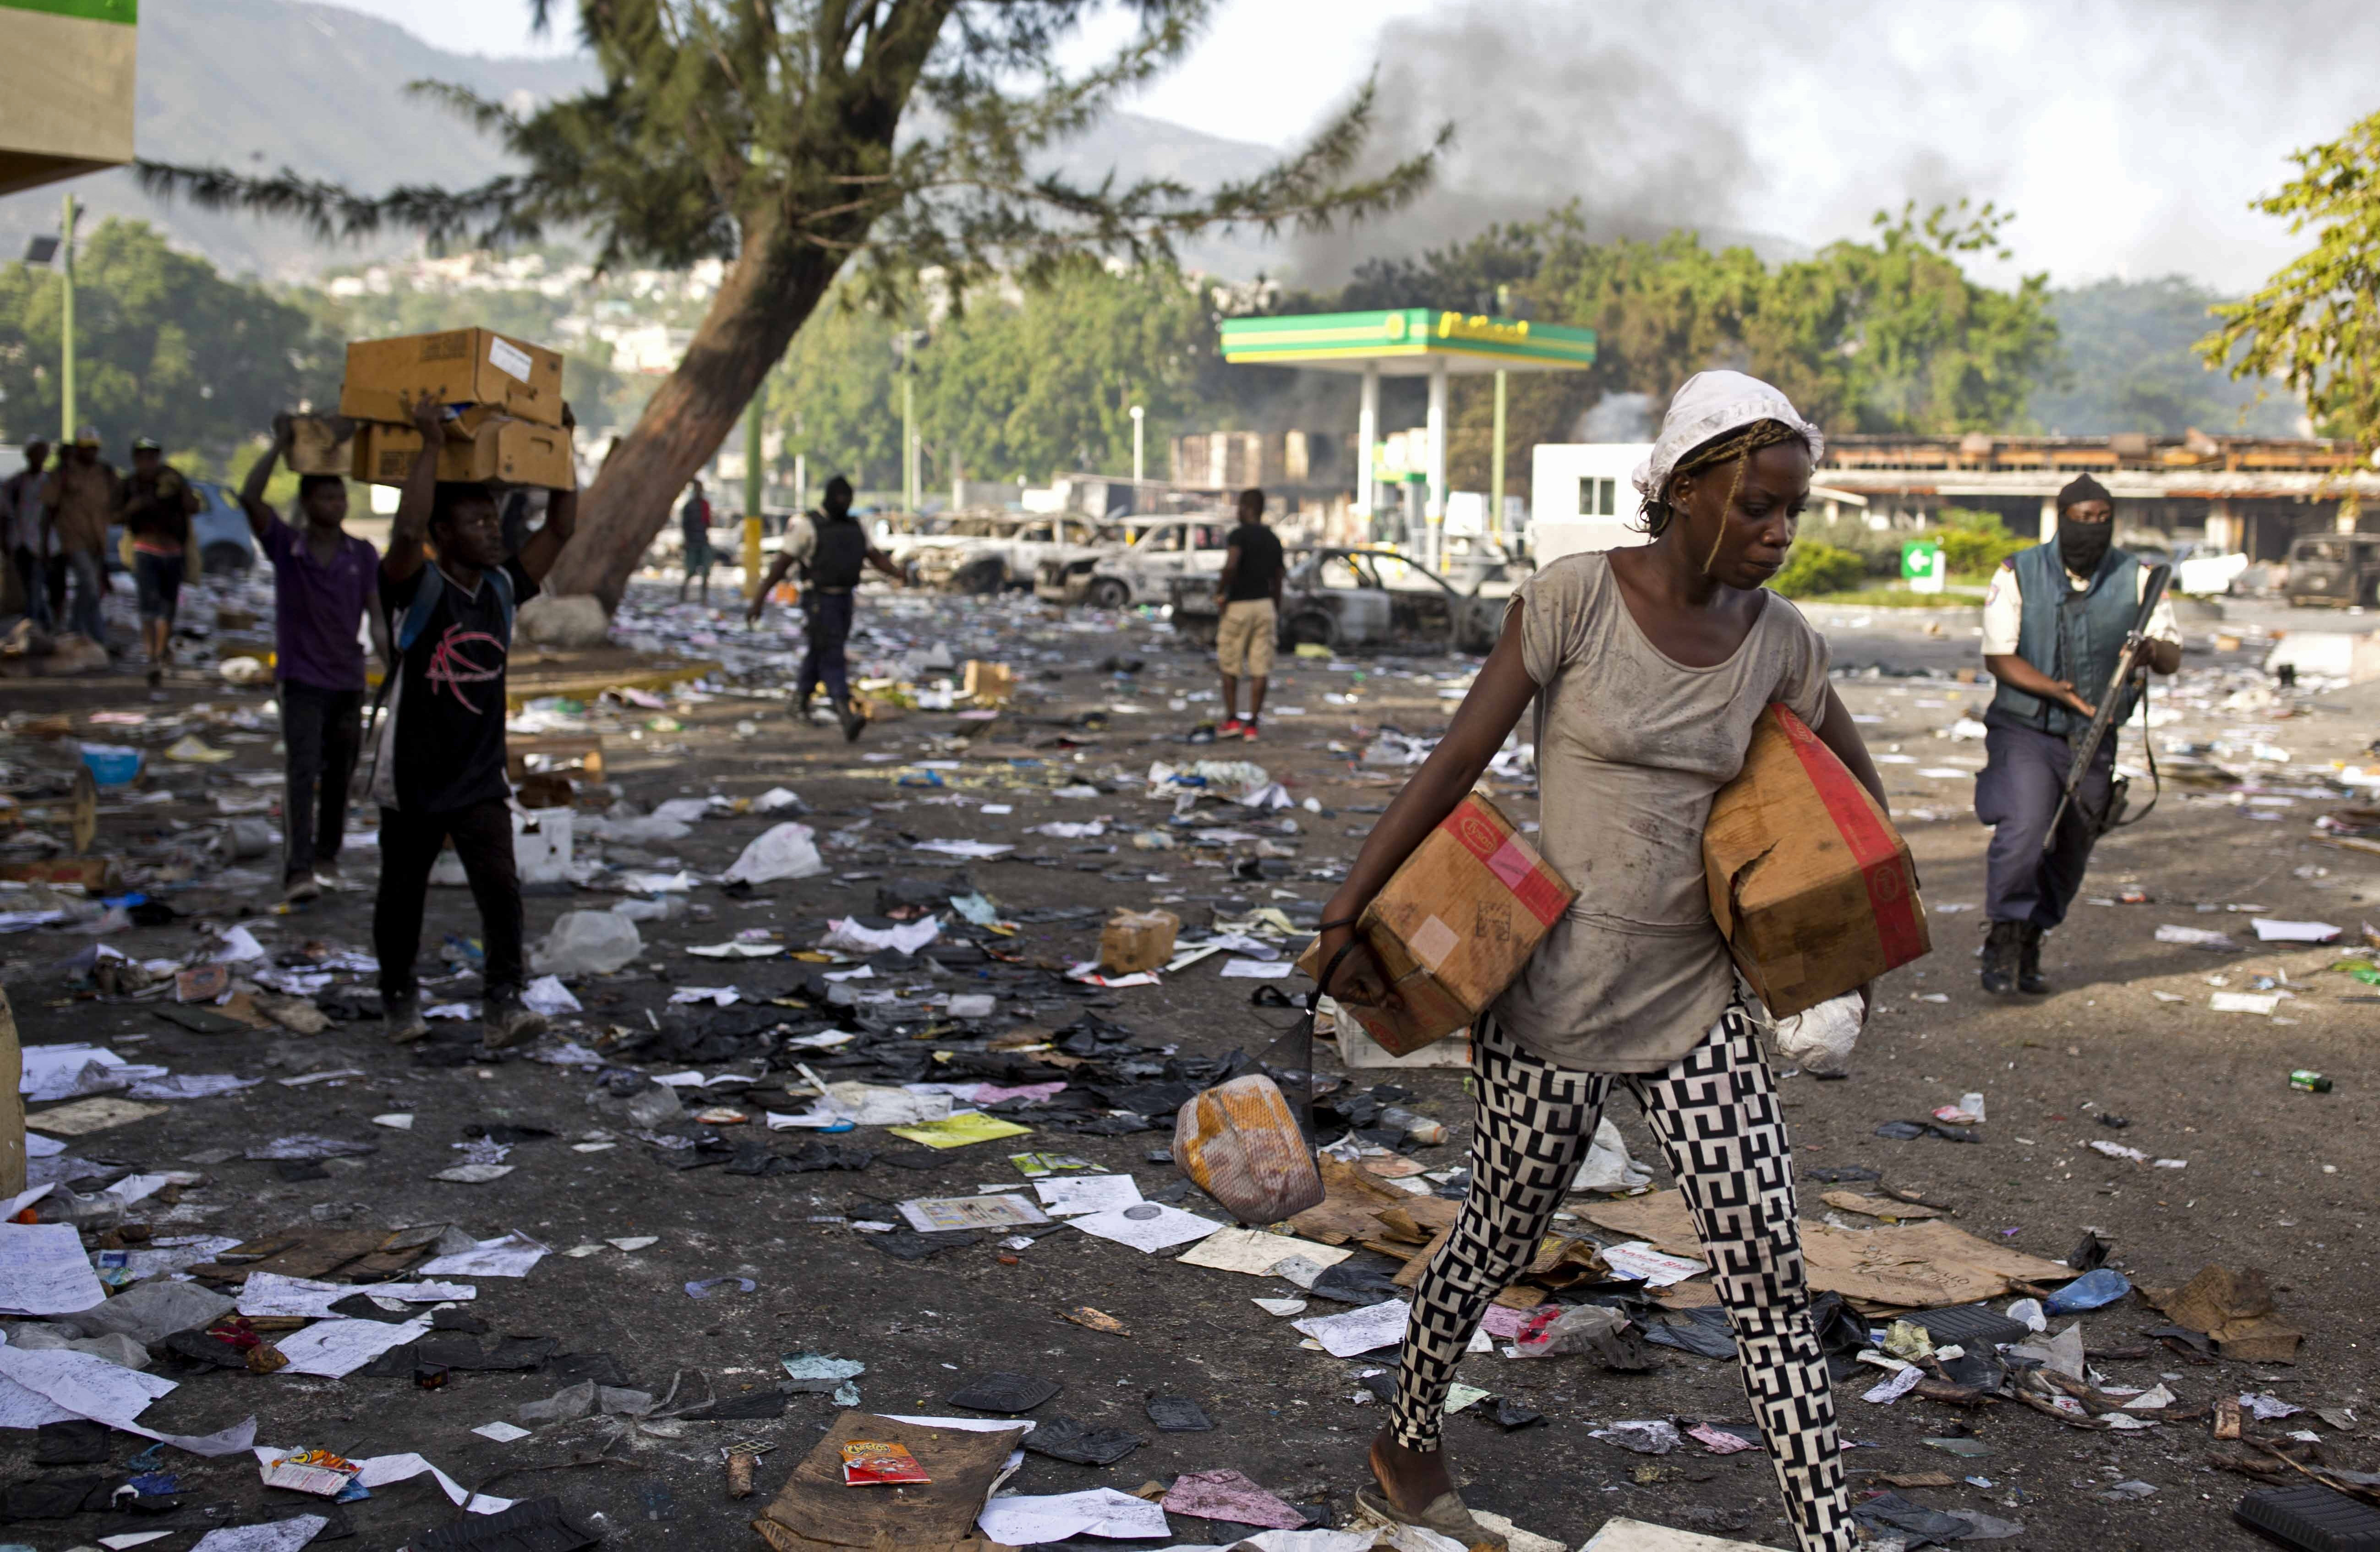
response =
{"points": [[1350, 598], [990, 551]]}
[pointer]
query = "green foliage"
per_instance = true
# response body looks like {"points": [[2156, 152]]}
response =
{"points": [[1814, 568], [164, 346], [1977, 542], [2315, 325], [1876, 337], [2128, 366], [837, 398]]}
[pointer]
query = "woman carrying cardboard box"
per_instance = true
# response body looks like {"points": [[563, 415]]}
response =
{"points": [[1649, 666]]}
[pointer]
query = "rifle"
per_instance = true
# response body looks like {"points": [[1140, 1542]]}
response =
{"points": [[2103, 721]]}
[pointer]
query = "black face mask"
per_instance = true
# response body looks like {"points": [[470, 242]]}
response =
{"points": [[2083, 545]]}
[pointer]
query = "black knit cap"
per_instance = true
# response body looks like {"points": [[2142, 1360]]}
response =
{"points": [[2083, 488]]}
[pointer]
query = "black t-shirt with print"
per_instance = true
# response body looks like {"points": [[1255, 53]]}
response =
{"points": [[448, 738]]}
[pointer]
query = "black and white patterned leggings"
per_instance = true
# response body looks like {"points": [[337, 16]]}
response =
{"points": [[1716, 1113]]}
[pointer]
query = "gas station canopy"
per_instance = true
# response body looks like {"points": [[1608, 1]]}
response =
{"points": [[1406, 342]]}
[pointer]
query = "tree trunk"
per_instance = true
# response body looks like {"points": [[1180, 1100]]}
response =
{"points": [[763, 301]]}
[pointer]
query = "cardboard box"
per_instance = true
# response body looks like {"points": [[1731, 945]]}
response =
{"points": [[1454, 924], [322, 444], [989, 681], [1136, 941], [458, 367], [68, 74], [479, 448], [1808, 880]]}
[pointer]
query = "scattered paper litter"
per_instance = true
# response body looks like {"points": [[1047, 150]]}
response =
{"points": [[2271, 931], [509, 1255], [1360, 1330], [1147, 1226]]}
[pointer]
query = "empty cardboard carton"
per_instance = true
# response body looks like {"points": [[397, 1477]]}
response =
{"points": [[990, 681], [1136, 941], [1813, 887], [457, 367], [493, 448], [322, 444], [1454, 925]]}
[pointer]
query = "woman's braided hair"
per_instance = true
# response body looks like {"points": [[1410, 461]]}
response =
{"points": [[1737, 447]]}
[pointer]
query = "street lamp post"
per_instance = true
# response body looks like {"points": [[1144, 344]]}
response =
{"points": [[1139, 470], [66, 325]]}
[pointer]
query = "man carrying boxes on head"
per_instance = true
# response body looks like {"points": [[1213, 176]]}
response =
{"points": [[439, 765]]}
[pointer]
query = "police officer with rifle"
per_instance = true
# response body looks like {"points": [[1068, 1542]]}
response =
{"points": [[2071, 629]]}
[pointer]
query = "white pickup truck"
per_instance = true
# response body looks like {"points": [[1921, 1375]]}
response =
{"points": [[1136, 560]]}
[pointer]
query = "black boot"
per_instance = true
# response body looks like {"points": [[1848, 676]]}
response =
{"points": [[2028, 962], [855, 722], [2000, 957]]}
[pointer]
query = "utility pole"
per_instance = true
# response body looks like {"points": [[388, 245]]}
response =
{"points": [[1137, 414], [67, 331], [752, 492]]}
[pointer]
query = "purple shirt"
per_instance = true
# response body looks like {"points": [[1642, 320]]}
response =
{"points": [[318, 610]]}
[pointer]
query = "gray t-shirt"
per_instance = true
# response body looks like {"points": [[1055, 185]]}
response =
{"points": [[1631, 747]]}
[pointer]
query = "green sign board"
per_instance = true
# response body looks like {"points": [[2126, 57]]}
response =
{"points": [[1922, 566]]}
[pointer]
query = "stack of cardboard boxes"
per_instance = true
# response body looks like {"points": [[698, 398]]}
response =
{"points": [[506, 420]]}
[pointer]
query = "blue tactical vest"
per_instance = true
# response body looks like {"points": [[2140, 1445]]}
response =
{"points": [[2070, 635]]}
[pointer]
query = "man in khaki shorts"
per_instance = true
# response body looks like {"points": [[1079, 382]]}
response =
{"points": [[1249, 595]]}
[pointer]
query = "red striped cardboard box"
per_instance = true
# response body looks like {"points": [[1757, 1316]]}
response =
{"points": [[1454, 924], [1808, 880]]}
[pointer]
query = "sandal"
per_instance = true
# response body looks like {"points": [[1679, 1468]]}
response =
{"points": [[1445, 1515]]}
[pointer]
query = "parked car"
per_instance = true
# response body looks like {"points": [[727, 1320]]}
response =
{"points": [[1135, 561], [220, 528], [990, 551], [1346, 598], [2339, 570]]}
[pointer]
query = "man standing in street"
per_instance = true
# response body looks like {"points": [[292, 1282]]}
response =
{"points": [[78, 501], [694, 526], [157, 506], [833, 552], [324, 580], [1248, 595], [20, 503], [2055, 620], [438, 766]]}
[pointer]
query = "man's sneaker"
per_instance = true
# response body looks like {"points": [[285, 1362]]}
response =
{"points": [[299, 888], [854, 723], [403, 1015], [1248, 732], [326, 875], [506, 1020], [1232, 728]]}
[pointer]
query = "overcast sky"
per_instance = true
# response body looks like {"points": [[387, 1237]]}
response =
{"points": [[2127, 134]]}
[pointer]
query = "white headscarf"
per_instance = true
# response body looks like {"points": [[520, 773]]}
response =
{"points": [[1712, 403]]}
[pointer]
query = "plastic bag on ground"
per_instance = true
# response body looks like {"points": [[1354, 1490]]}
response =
{"points": [[541, 845], [586, 943], [1820, 1040], [784, 851], [1607, 1166]]}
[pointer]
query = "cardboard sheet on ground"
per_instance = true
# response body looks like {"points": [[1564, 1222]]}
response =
{"points": [[815, 1510], [1029, 1521], [44, 1270], [1347, 1210], [1256, 1253], [1916, 1265], [85, 1116]]}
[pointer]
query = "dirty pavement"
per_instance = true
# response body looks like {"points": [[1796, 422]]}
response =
{"points": [[846, 1157]]}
